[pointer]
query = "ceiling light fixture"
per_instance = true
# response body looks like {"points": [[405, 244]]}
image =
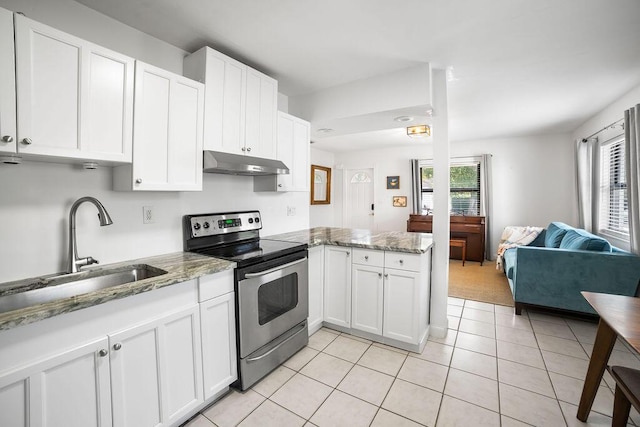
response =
{"points": [[325, 130], [402, 119], [419, 131]]}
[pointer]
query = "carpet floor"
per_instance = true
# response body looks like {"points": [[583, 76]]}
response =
{"points": [[479, 283]]}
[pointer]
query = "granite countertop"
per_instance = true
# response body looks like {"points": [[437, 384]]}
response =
{"points": [[397, 241], [180, 267]]}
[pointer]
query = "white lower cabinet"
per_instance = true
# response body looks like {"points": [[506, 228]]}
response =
{"points": [[156, 370], [70, 389], [402, 305], [382, 294], [337, 286], [316, 283], [366, 298], [218, 343]]}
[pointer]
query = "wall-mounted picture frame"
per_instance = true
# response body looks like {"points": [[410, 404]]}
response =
{"points": [[400, 201], [393, 182]]}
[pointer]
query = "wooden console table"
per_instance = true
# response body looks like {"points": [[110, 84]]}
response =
{"points": [[469, 228]]}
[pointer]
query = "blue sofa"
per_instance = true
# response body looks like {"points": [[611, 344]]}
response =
{"points": [[561, 262]]}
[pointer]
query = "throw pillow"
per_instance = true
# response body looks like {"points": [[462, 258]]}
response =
{"points": [[582, 240], [555, 233]]}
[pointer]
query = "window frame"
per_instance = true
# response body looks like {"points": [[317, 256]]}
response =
{"points": [[607, 189], [456, 162]]}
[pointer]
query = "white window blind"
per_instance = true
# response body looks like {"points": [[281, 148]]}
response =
{"points": [[614, 210]]}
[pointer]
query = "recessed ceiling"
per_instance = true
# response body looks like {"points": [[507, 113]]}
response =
{"points": [[516, 67]]}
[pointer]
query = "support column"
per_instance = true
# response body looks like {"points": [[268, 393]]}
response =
{"points": [[440, 260]]}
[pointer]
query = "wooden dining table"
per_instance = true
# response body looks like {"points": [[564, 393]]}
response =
{"points": [[619, 317]]}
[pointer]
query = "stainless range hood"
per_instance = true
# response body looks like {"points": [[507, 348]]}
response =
{"points": [[234, 164]]}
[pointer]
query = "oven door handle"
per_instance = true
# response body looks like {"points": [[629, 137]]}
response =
{"points": [[293, 335], [271, 270]]}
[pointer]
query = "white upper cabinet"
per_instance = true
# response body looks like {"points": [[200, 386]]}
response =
{"points": [[74, 98], [293, 151], [167, 148], [7, 84], [241, 104]]}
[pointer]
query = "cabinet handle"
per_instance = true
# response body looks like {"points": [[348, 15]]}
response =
{"points": [[280, 185], [103, 353], [7, 138], [27, 141], [386, 276], [380, 275], [249, 149], [139, 181], [401, 262], [348, 253], [117, 346], [366, 257], [243, 149]]}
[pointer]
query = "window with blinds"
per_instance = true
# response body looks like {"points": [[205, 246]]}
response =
{"points": [[464, 193], [614, 208]]}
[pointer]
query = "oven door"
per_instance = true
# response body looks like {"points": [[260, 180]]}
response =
{"points": [[272, 299]]}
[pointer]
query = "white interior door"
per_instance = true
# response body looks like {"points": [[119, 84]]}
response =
{"points": [[359, 207]]}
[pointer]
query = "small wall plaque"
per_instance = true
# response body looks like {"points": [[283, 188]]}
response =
{"points": [[400, 201], [393, 182]]}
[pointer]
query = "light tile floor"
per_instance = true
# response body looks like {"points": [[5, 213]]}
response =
{"points": [[492, 369]]}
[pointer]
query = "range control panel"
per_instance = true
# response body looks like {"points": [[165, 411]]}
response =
{"points": [[212, 224]]}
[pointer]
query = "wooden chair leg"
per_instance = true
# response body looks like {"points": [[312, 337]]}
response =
{"points": [[621, 408]]}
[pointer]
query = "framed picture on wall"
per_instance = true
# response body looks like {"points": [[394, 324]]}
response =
{"points": [[400, 201], [393, 182]]}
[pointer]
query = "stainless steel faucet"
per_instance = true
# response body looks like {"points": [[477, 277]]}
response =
{"points": [[74, 261]]}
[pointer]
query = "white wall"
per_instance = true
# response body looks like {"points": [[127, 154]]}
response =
{"points": [[323, 215], [81, 21], [533, 180], [35, 197]]}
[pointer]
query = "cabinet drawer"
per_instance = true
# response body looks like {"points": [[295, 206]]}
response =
{"points": [[402, 261], [214, 285], [368, 257]]}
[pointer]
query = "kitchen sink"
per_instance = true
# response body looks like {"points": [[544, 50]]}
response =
{"points": [[69, 285]]}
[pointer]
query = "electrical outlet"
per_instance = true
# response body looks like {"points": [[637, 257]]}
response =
{"points": [[291, 211], [147, 215]]}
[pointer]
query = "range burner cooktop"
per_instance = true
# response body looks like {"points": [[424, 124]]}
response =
{"points": [[234, 237]]}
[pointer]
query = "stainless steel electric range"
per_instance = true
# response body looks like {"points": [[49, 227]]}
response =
{"points": [[271, 288]]}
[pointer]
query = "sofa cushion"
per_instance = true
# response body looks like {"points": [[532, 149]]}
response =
{"points": [[555, 233], [582, 240], [509, 257]]}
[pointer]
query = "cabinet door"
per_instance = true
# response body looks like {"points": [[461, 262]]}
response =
{"points": [[74, 98], [168, 132], [156, 370], [261, 115], [402, 305], [218, 324], [366, 298], [7, 84], [316, 283], [293, 151], [337, 286], [185, 134], [232, 115], [67, 390]]}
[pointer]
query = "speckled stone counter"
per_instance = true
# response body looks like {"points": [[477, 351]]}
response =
{"points": [[398, 241], [180, 267]]}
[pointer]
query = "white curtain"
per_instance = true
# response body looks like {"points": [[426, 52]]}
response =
{"points": [[632, 161], [416, 189], [587, 188], [486, 204]]}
